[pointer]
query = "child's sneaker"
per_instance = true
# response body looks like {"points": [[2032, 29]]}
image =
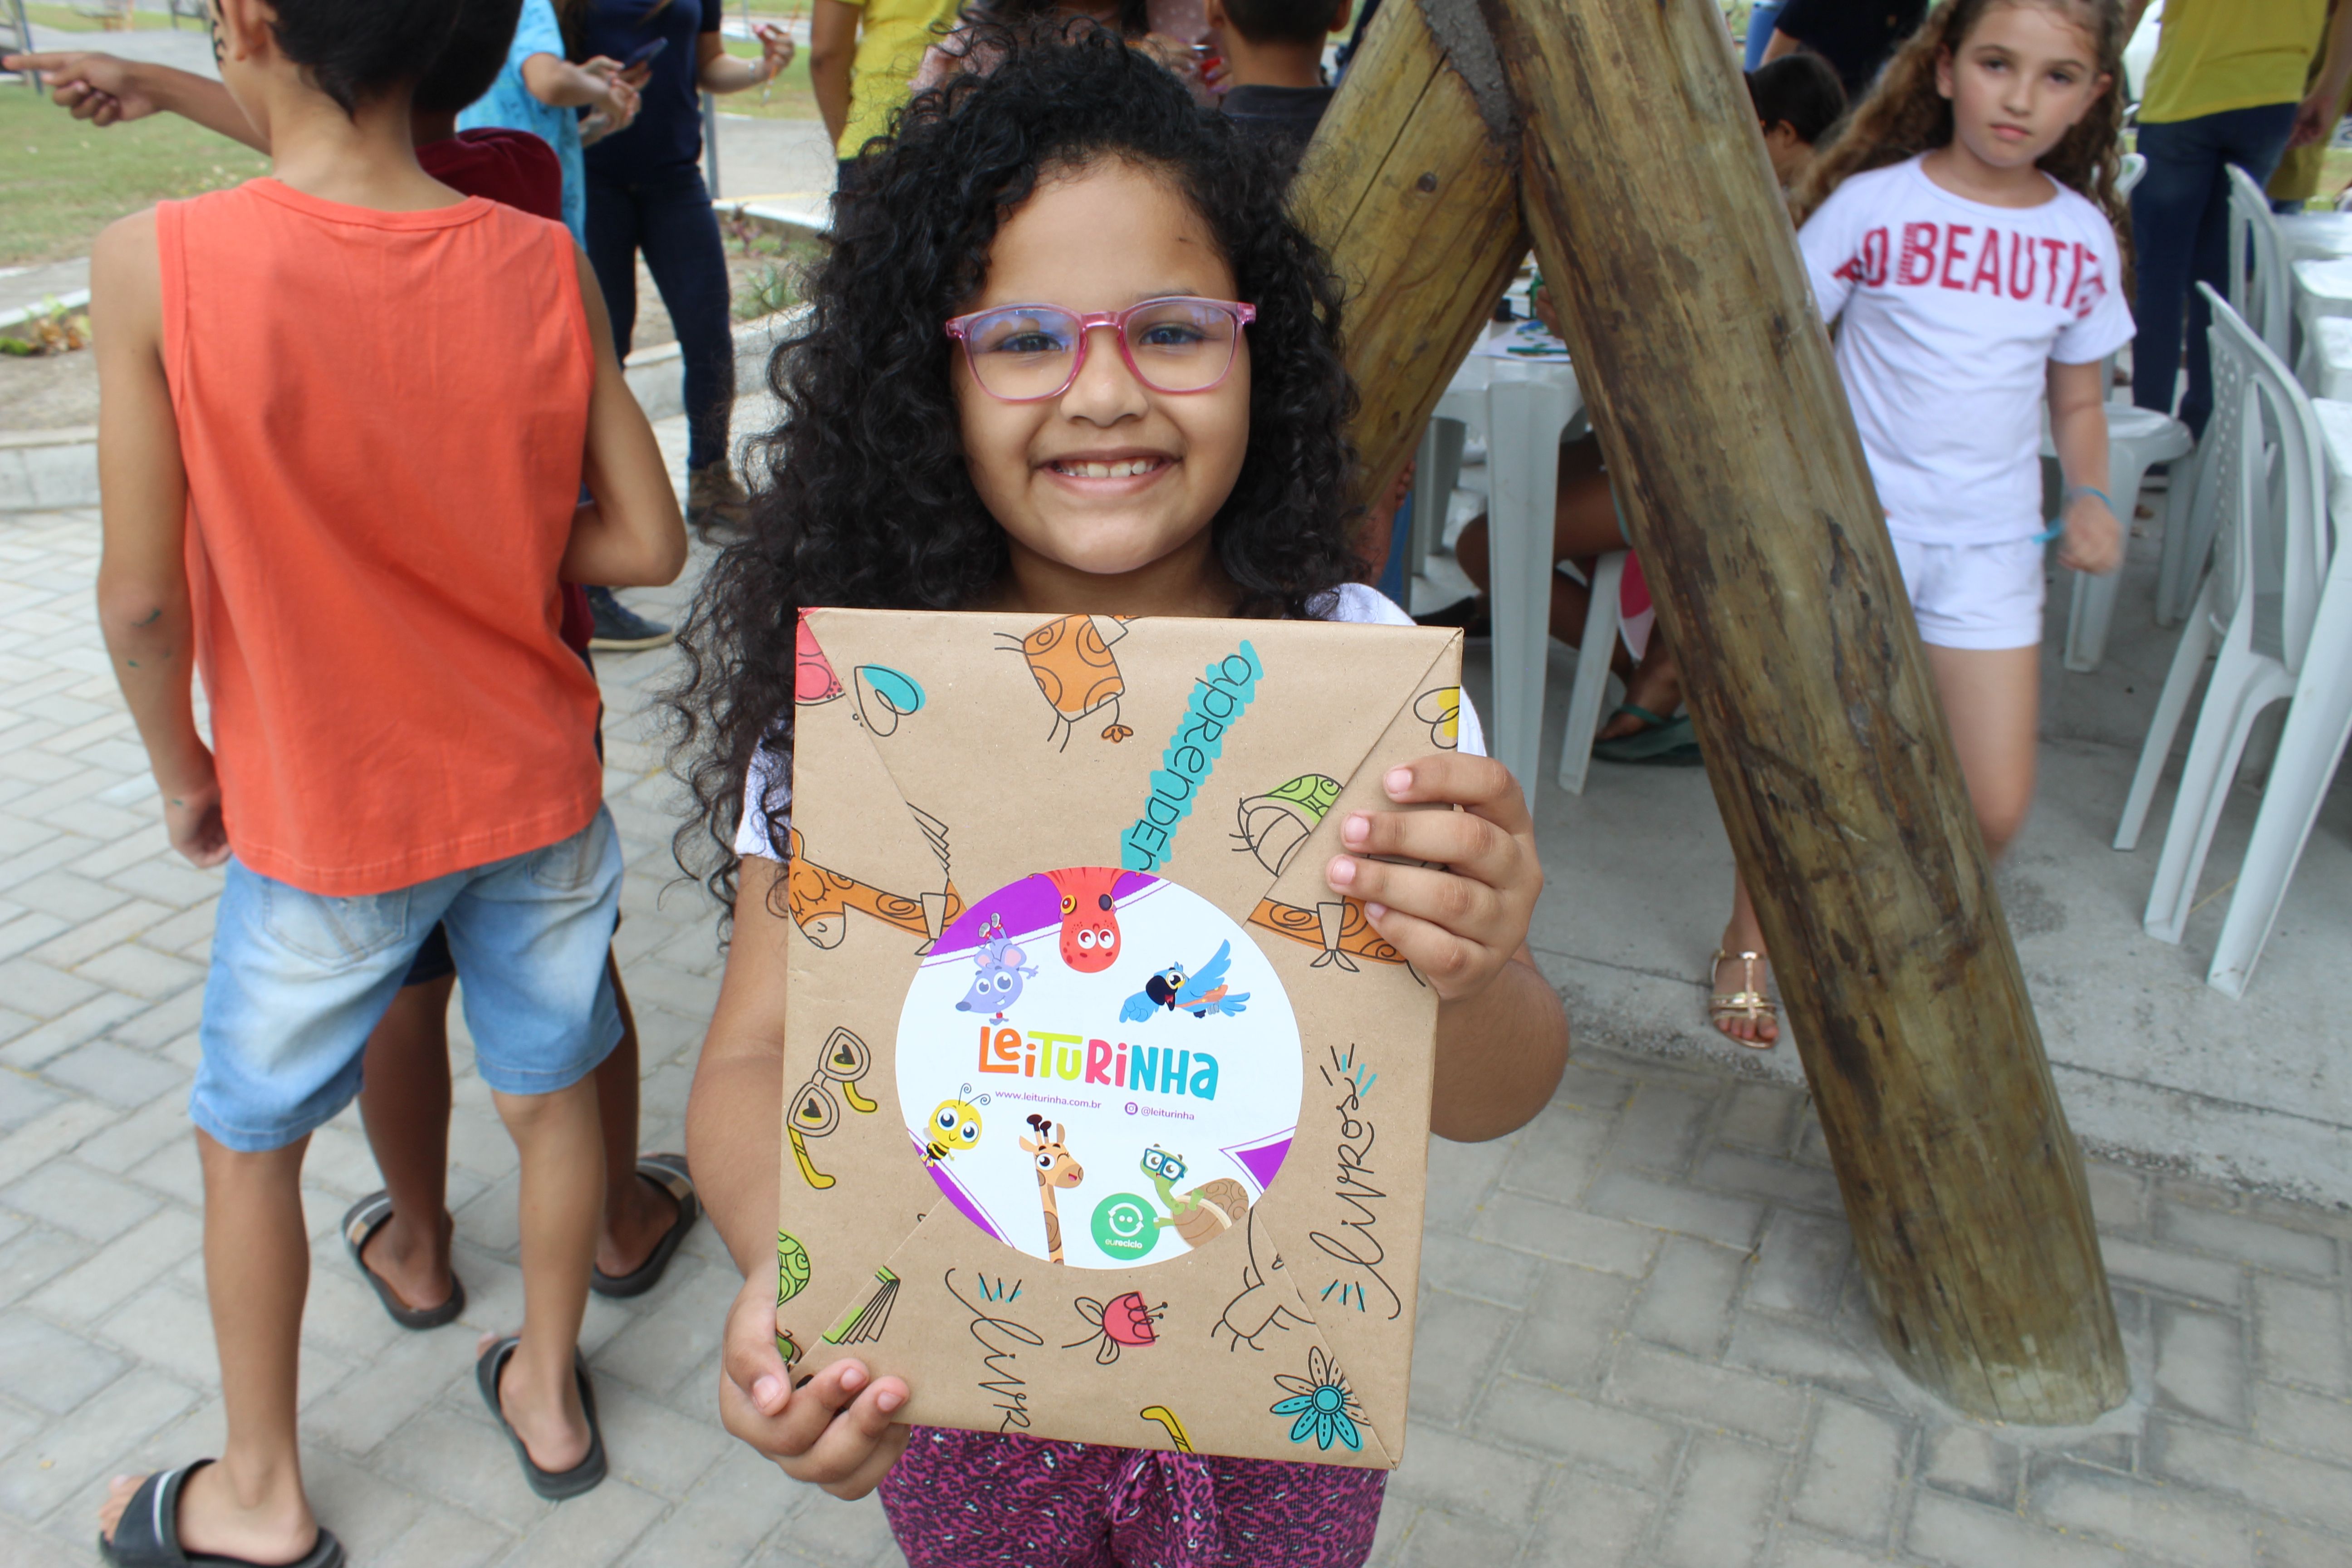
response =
{"points": [[716, 502], [620, 630]]}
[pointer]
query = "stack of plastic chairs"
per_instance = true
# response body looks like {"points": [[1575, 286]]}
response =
{"points": [[2259, 607]]}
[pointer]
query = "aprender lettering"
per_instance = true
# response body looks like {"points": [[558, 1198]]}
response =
{"points": [[1151, 1069]]}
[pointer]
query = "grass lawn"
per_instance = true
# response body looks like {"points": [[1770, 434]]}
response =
{"points": [[789, 97], [66, 19], [62, 180]]}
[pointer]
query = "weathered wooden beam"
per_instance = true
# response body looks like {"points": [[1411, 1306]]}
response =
{"points": [[1709, 375], [1412, 184]]}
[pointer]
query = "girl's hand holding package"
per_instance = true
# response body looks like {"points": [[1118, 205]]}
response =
{"points": [[835, 1430], [1460, 918], [2094, 539]]}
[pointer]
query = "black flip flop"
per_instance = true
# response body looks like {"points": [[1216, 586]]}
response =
{"points": [[668, 1173], [148, 1533], [1660, 742], [553, 1485], [360, 1222]]}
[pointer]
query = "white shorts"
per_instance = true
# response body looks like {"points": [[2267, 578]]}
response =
{"points": [[1978, 596]]}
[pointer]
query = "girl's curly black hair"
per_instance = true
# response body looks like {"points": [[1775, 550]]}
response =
{"points": [[867, 501]]}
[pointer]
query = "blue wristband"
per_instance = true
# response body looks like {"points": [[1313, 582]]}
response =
{"points": [[2058, 524]]}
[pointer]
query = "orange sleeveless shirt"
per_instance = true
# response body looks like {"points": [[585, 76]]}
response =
{"points": [[383, 417]]}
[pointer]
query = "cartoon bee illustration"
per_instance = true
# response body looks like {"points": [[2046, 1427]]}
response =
{"points": [[1071, 661], [954, 1125]]}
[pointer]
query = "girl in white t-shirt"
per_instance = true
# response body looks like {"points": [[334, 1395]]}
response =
{"points": [[1962, 233], [1067, 353]]}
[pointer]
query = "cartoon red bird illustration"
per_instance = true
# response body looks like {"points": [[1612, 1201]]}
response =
{"points": [[1090, 917]]}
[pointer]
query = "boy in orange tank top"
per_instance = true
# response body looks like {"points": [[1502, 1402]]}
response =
{"points": [[319, 390]]}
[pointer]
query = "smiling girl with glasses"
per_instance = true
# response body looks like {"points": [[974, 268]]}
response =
{"points": [[1068, 356]]}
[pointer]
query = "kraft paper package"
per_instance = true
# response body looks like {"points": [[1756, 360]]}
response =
{"points": [[1106, 1119]]}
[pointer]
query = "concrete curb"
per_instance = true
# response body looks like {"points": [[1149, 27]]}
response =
{"points": [[57, 470]]}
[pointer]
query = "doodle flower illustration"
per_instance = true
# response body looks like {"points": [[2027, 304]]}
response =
{"points": [[1321, 1402]]}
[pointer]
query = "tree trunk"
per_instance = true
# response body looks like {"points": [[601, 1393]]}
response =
{"points": [[1735, 458], [1419, 206]]}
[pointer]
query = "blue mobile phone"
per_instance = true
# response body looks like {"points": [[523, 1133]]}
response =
{"points": [[640, 56]]}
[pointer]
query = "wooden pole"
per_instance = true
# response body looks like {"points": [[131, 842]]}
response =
{"points": [[1419, 206], [1733, 452]]}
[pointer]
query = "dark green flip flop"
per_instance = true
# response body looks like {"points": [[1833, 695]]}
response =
{"points": [[553, 1485], [1661, 742]]}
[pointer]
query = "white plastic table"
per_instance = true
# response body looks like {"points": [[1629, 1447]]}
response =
{"points": [[2317, 236], [1524, 407], [2326, 367], [2322, 289]]}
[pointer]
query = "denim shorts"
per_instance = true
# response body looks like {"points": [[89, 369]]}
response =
{"points": [[299, 981]]}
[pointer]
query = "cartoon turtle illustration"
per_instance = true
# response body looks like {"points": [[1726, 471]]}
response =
{"points": [[1203, 1213], [1274, 825]]}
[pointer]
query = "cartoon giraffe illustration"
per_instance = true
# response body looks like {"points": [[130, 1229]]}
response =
{"points": [[1055, 1169], [820, 900]]}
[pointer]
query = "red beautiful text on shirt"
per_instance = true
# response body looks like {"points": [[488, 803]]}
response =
{"points": [[2023, 266]]}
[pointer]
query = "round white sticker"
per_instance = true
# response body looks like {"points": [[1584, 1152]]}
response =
{"points": [[1098, 1068]]}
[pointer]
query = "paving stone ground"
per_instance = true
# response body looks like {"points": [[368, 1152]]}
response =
{"points": [[1642, 1337]]}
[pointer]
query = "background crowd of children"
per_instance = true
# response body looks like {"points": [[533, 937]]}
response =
{"points": [[364, 439]]}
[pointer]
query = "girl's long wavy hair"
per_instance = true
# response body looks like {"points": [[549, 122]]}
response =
{"points": [[863, 500], [1905, 115]]}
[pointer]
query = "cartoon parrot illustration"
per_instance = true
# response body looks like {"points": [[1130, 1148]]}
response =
{"points": [[1199, 995]]}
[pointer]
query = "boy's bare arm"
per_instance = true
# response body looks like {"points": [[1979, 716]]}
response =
{"points": [[143, 578], [632, 535], [106, 90]]}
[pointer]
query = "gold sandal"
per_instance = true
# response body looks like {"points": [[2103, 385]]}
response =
{"points": [[1748, 1005]]}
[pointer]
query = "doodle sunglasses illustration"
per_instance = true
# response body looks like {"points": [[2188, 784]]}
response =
{"points": [[814, 1113]]}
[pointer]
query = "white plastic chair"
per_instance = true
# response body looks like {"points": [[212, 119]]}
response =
{"points": [[1602, 620], [2318, 725], [2257, 604], [2260, 290], [2138, 439]]}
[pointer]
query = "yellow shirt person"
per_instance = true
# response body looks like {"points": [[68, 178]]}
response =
{"points": [[861, 58]]}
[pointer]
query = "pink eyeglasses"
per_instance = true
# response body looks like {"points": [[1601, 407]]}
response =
{"points": [[1026, 354]]}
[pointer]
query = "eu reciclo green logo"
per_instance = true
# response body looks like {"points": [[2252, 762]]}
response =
{"points": [[1126, 1226]]}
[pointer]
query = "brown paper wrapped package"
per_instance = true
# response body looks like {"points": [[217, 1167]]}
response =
{"points": [[955, 774]]}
